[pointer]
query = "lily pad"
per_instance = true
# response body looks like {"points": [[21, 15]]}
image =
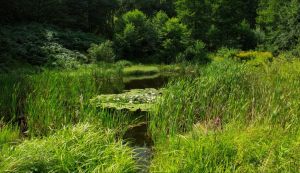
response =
{"points": [[132, 100]]}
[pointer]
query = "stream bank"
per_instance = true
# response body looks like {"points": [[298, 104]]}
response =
{"points": [[137, 99]]}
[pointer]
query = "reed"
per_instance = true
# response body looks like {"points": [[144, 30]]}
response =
{"points": [[233, 117], [230, 91], [52, 99], [81, 148], [255, 148]]}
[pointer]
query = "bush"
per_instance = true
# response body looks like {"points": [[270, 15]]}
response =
{"points": [[102, 52], [60, 57], [73, 149], [41, 45], [78, 41], [124, 63]]}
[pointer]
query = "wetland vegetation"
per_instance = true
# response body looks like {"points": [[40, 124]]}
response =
{"points": [[150, 86]]}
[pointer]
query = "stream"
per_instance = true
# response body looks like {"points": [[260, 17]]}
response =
{"points": [[137, 99], [139, 137]]}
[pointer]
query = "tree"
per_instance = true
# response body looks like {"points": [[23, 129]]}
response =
{"points": [[149, 7], [87, 15], [220, 22], [135, 37], [101, 15], [174, 37], [279, 20], [197, 15]]}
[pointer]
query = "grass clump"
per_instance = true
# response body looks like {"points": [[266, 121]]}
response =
{"points": [[83, 148], [257, 148], [140, 70], [59, 98], [231, 91], [255, 58], [9, 135], [233, 117], [52, 99]]}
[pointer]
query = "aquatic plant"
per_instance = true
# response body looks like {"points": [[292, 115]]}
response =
{"points": [[132, 101]]}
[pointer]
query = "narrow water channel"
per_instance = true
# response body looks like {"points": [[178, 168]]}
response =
{"points": [[138, 135]]}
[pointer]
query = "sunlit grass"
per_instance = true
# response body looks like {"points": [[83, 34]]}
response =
{"points": [[9, 135], [83, 148], [237, 148], [140, 70], [231, 91], [226, 116], [233, 117], [52, 99]]}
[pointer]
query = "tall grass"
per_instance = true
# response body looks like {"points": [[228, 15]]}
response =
{"points": [[231, 91], [256, 148], [60, 98], [140, 70], [83, 148], [9, 135], [233, 117], [13, 87], [52, 99]]}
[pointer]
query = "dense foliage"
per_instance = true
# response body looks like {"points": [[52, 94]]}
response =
{"points": [[279, 21], [147, 31], [36, 44]]}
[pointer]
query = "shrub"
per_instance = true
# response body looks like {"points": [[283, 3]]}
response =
{"points": [[73, 149], [102, 52], [78, 41], [41, 45], [60, 57], [124, 63]]}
